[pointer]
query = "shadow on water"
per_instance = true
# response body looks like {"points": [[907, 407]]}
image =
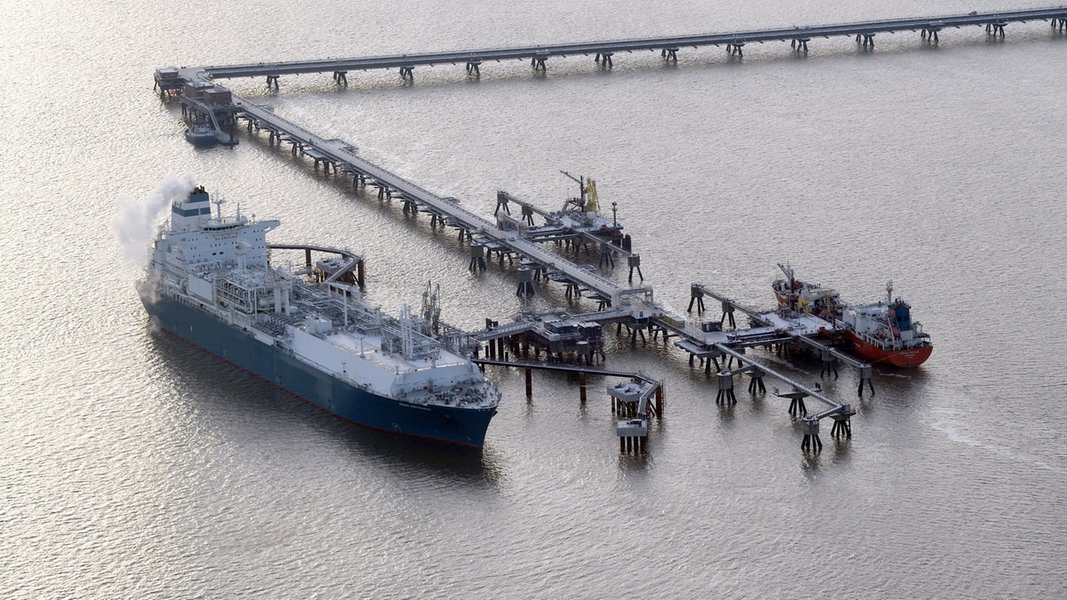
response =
{"points": [[636, 463], [834, 453], [841, 451], [895, 390], [725, 412], [210, 387], [810, 463], [421, 456]]}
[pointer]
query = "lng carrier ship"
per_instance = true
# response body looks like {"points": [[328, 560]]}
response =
{"points": [[210, 281]]}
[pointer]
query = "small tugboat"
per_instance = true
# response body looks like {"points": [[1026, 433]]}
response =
{"points": [[201, 134], [881, 333]]}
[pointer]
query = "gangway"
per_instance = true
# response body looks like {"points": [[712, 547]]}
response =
{"points": [[351, 261]]}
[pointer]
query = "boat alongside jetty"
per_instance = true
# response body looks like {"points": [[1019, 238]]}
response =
{"points": [[881, 332], [210, 281]]}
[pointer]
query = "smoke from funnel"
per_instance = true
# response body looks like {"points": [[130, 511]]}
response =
{"points": [[135, 225]]}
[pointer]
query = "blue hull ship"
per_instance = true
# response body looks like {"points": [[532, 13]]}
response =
{"points": [[210, 282]]}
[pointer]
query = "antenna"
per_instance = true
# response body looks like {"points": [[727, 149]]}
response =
{"points": [[218, 202]]}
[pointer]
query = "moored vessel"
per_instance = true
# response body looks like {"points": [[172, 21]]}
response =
{"points": [[884, 332], [211, 282], [801, 296], [880, 333], [201, 134]]}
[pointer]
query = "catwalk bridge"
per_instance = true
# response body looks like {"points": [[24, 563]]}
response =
{"points": [[798, 37], [339, 155]]}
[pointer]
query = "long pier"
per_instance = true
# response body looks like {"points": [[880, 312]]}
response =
{"points": [[339, 155], [632, 306], [604, 51]]}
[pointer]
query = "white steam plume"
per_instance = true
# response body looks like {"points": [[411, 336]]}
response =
{"points": [[135, 225]]}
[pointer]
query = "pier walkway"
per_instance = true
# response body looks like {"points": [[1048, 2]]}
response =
{"points": [[864, 32], [340, 155], [815, 326], [568, 368]]}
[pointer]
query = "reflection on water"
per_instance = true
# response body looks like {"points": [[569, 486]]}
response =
{"points": [[223, 391]]}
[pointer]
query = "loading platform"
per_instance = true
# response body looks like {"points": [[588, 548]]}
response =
{"points": [[562, 225], [634, 400], [799, 327]]}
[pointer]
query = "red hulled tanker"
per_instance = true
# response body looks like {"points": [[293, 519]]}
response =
{"points": [[880, 333]]}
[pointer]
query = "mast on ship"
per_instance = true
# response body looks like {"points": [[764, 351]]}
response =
{"points": [[788, 270], [582, 189], [218, 202]]}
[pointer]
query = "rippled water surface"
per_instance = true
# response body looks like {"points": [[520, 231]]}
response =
{"points": [[133, 464]]}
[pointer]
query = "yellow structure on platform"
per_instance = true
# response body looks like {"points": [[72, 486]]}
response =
{"points": [[591, 204]]}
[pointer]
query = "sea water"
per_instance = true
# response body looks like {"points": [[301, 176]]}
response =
{"points": [[136, 465]]}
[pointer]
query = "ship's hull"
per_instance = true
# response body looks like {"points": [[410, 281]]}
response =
{"points": [[449, 424], [907, 358], [203, 138]]}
